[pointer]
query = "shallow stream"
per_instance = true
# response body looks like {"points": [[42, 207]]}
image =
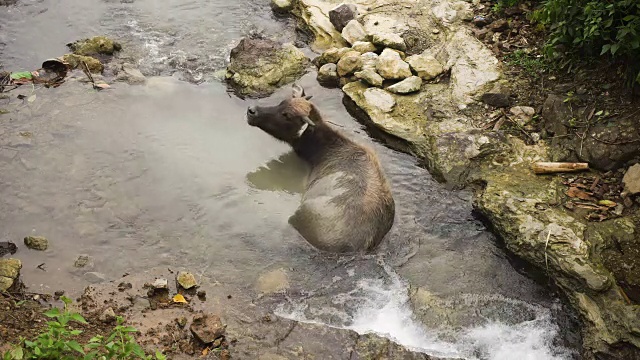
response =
{"points": [[170, 174]]}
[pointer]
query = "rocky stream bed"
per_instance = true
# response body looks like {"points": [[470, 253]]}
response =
{"points": [[415, 72]]}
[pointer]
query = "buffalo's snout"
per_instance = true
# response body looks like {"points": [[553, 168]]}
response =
{"points": [[252, 112]]}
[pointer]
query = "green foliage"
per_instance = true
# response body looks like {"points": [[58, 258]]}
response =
{"points": [[57, 342], [532, 65], [502, 4], [593, 27]]}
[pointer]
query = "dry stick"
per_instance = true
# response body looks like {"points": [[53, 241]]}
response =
{"points": [[556, 167], [85, 69]]}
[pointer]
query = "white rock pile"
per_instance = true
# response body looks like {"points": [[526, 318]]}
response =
{"points": [[376, 58]]}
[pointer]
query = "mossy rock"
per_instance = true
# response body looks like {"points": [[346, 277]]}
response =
{"points": [[98, 45], [75, 62], [260, 66]]}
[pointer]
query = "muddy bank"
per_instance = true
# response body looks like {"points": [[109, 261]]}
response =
{"points": [[453, 121], [209, 321]]}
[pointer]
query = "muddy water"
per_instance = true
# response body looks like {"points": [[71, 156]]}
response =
{"points": [[170, 174]]}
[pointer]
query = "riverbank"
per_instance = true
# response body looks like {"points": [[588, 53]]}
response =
{"points": [[474, 125]]}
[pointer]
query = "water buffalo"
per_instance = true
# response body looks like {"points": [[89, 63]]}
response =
{"points": [[347, 205]]}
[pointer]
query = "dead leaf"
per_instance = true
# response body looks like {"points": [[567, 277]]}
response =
{"points": [[178, 298], [31, 98], [101, 86], [205, 351], [607, 203], [574, 192]]}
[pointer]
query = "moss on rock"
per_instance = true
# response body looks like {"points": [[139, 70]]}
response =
{"points": [[98, 45], [259, 66], [75, 61]]}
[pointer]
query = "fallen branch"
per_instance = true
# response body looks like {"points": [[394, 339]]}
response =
{"points": [[556, 167]]}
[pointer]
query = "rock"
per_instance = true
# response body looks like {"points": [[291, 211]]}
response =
{"points": [[631, 180], [94, 277], [379, 99], [9, 272], [332, 55], [207, 328], [409, 85], [354, 32], [186, 280], [75, 62], [281, 6], [554, 112], [273, 282], [131, 75], [36, 242], [370, 76], [259, 66], [160, 284], [98, 45], [391, 66], [369, 60], [82, 261], [498, 100], [7, 247], [349, 63], [328, 75], [499, 25], [363, 47], [523, 114], [342, 14], [425, 65], [388, 40], [107, 316], [480, 21]]}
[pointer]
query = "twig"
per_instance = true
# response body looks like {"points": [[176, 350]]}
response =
{"points": [[614, 143], [330, 122]]}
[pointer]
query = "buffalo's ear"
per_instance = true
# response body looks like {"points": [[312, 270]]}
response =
{"points": [[298, 91]]}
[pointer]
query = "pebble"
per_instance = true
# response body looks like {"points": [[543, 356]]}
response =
{"points": [[107, 316], [207, 328], [160, 284], [81, 261]]}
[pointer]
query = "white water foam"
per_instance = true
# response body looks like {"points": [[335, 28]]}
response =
{"points": [[383, 308]]}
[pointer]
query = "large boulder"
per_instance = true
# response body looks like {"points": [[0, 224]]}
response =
{"points": [[259, 66], [390, 66]]}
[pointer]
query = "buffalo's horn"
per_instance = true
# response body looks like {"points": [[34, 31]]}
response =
{"points": [[308, 121]]}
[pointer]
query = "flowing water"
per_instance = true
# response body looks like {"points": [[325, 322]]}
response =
{"points": [[170, 174]]}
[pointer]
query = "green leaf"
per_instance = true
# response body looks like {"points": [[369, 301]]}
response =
{"points": [[599, 113], [52, 313], [78, 318], [614, 48], [21, 75], [73, 345], [605, 48], [17, 353], [75, 332]]}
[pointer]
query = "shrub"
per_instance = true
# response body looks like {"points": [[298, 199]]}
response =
{"points": [[58, 341], [593, 27]]}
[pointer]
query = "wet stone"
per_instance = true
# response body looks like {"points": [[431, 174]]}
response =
{"points": [[328, 75], [131, 75], [207, 328], [186, 280], [36, 242], [281, 6], [82, 261], [7, 247], [94, 277], [95, 45]]}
